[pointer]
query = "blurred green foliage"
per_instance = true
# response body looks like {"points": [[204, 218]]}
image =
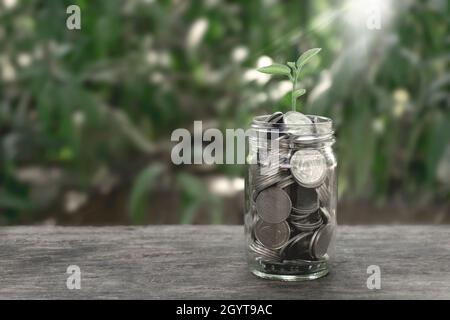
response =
{"points": [[78, 107]]}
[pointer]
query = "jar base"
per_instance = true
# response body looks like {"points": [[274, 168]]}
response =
{"points": [[299, 277]]}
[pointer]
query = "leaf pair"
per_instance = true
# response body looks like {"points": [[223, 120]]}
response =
{"points": [[292, 70], [281, 69]]}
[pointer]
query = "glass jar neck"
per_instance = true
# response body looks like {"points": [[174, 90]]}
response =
{"points": [[319, 132]]}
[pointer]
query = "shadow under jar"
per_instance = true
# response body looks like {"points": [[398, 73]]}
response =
{"points": [[290, 198]]}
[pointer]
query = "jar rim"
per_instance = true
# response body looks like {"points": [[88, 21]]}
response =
{"points": [[320, 125], [261, 121]]}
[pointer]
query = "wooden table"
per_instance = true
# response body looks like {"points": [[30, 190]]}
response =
{"points": [[208, 262]]}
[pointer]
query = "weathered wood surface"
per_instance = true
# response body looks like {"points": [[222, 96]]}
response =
{"points": [[208, 262]]}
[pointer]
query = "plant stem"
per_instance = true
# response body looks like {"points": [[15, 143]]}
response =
{"points": [[293, 98]]}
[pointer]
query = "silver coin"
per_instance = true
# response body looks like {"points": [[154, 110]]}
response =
{"points": [[275, 117], [274, 120], [265, 176], [295, 215], [307, 224], [303, 213], [286, 182], [272, 235], [308, 167], [297, 123], [269, 181], [265, 181], [265, 173], [311, 216], [324, 194], [296, 118], [325, 214], [267, 254], [296, 247], [305, 200], [269, 169], [320, 241], [273, 205]]}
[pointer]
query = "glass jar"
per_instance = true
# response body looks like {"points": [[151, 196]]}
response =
{"points": [[291, 197]]}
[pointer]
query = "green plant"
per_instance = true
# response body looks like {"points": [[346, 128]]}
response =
{"points": [[145, 182], [292, 71]]}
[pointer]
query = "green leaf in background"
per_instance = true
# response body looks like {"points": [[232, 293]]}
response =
{"points": [[194, 193], [216, 210], [299, 92], [189, 212], [276, 69], [291, 65], [304, 58], [144, 183], [15, 202]]}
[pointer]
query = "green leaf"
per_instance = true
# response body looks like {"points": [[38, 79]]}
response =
{"points": [[276, 69], [292, 65], [146, 180], [216, 205], [189, 213], [194, 195], [192, 185], [15, 202], [304, 58], [299, 93]]}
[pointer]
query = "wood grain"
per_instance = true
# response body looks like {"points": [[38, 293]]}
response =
{"points": [[208, 262]]}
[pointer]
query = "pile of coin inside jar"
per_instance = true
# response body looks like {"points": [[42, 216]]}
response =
{"points": [[289, 190]]}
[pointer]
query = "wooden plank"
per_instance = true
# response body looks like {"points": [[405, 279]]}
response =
{"points": [[208, 262]]}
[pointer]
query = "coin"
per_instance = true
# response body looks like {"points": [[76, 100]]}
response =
{"points": [[296, 118], [273, 132], [275, 117], [308, 224], [320, 241], [272, 235], [296, 247], [299, 215], [285, 182], [308, 167], [297, 123], [265, 182], [325, 214], [273, 205], [324, 194], [265, 174], [265, 253], [305, 199]]}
